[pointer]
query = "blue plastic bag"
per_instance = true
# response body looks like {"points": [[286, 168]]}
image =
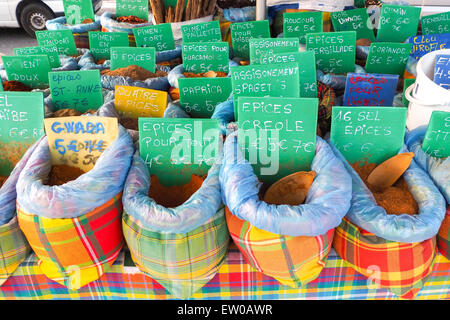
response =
{"points": [[8, 190], [366, 214], [224, 112], [437, 168], [240, 14], [327, 202], [59, 23], [336, 81], [79, 196]]}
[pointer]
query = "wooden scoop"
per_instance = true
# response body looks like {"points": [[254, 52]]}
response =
{"points": [[291, 190], [387, 173]]}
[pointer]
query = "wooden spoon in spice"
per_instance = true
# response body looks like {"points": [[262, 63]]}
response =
{"points": [[291, 190]]}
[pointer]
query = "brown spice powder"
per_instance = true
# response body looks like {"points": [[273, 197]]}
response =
{"points": [[3, 180], [396, 199], [130, 123], [130, 19], [61, 174], [13, 85], [171, 197], [134, 72]]}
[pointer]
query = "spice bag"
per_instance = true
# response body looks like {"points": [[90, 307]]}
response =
{"points": [[177, 73], [395, 251], [74, 229], [182, 248], [289, 243], [240, 14], [439, 171], [14, 248], [109, 24], [79, 31]]}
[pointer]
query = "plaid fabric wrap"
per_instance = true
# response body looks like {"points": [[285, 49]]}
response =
{"points": [[181, 262], [81, 40], [14, 248], [403, 268], [327, 99], [131, 39], [74, 252], [443, 237], [293, 261]]}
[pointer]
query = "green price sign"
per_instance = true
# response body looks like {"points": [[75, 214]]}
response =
{"points": [[201, 32], [335, 51], [80, 90], [372, 133], [397, 23], [205, 56], [298, 24], [388, 57], [278, 135], [159, 37], [100, 43], [200, 96], [21, 124], [76, 11], [436, 23], [50, 52], [174, 149], [406, 83], [138, 8], [242, 32], [260, 48], [122, 57], [353, 20], [436, 142], [30, 70], [61, 39]]}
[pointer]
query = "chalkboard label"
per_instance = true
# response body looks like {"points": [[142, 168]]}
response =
{"points": [[159, 36], [50, 52], [200, 96], [428, 43], [61, 39], [201, 32], [281, 130], [80, 90], [205, 56], [122, 57], [298, 24], [436, 23], [21, 124], [390, 58], [356, 19], [372, 133], [135, 102], [306, 66], [365, 89], [436, 142], [30, 70], [138, 8], [335, 51], [397, 23], [260, 48], [442, 71], [79, 141], [76, 11], [242, 32], [175, 148], [101, 43]]}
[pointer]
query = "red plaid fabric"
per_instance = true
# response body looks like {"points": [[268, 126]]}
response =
{"points": [[443, 237]]}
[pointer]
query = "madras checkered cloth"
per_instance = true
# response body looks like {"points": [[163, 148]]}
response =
{"points": [[403, 268], [74, 252], [443, 237], [14, 248], [293, 261], [181, 262], [327, 99]]}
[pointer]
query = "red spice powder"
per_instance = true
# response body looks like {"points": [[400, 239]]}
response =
{"points": [[171, 197], [15, 86], [396, 199], [61, 174]]}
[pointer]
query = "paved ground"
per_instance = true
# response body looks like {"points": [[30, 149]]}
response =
{"points": [[11, 38]]}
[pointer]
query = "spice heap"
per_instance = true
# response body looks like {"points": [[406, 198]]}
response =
{"points": [[86, 21], [171, 63], [61, 174], [194, 9], [131, 19], [174, 93], [12, 153], [2, 180], [130, 123], [13, 85], [134, 72], [209, 74], [101, 61], [171, 197], [396, 199]]}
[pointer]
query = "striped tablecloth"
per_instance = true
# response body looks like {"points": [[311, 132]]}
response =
{"points": [[235, 280]]}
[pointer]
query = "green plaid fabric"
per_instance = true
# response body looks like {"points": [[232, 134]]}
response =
{"points": [[14, 248], [181, 262]]}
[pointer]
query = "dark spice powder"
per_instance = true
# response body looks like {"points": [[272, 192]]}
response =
{"points": [[61, 174]]}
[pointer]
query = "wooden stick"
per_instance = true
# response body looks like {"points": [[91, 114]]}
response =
{"points": [[211, 7], [179, 10], [158, 12], [187, 13], [198, 9]]}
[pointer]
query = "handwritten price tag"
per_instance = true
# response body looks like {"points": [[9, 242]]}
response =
{"points": [[205, 56], [76, 11], [30, 70], [242, 32], [135, 102], [436, 142]]}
